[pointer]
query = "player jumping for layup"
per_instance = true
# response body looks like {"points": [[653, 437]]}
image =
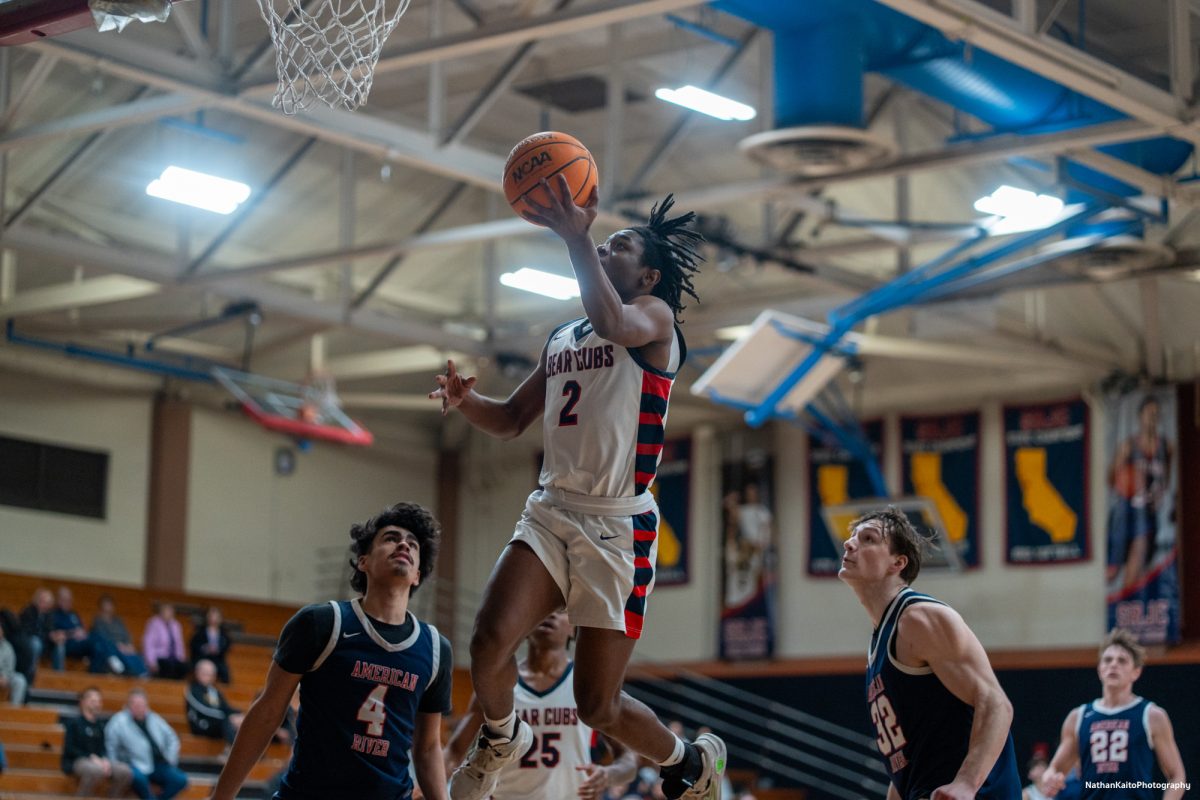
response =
{"points": [[940, 714], [590, 536], [1115, 739], [374, 681]]}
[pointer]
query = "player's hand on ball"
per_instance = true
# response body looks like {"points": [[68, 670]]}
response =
{"points": [[953, 791], [562, 215], [452, 388]]}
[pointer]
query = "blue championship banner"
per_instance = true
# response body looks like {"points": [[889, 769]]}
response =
{"points": [[1045, 483], [671, 490], [835, 477], [1142, 589], [941, 462]]}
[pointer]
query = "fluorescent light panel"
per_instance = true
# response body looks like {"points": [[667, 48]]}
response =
{"points": [[706, 102], [199, 190], [543, 283], [1016, 210]]}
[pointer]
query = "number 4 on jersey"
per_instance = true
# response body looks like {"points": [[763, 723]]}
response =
{"points": [[373, 711]]}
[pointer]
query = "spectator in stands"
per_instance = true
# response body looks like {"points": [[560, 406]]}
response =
{"points": [[208, 712], [212, 643], [162, 644], [113, 650], [11, 680], [68, 635], [37, 622], [142, 739], [83, 749]]}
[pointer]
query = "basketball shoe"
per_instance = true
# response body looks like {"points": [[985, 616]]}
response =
{"points": [[478, 774], [707, 786]]}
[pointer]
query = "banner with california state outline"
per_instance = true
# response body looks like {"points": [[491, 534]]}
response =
{"points": [[835, 477], [671, 489], [940, 461], [1045, 482], [1141, 550]]}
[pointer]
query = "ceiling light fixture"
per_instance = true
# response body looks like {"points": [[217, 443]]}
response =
{"points": [[199, 190], [706, 102], [1016, 210], [543, 283]]}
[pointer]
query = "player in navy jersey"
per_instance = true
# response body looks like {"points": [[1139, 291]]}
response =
{"points": [[941, 718], [374, 681], [589, 536], [1116, 738]]}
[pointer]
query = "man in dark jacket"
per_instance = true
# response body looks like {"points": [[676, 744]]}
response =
{"points": [[37, 623], [208, 712], [83, 749]]}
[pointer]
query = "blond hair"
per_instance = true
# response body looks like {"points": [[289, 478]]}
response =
{"points": [[1126, 640]]}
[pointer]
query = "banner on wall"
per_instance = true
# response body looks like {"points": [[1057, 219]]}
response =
{"points": [[748, 607], [835, 477], [941, 462], [1045, 483], [1140, 568], [671, 489]]}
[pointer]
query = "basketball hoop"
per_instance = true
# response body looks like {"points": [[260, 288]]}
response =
{"points": [[328, 53]]}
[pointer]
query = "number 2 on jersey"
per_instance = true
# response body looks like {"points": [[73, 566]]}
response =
{"points": [[373, 711], [571, 391]]}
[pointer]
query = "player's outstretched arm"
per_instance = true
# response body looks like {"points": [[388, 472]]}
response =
{"points": [[427, 756], [262, 720], [504, 419], [464, 732], [936, 635], [1065, 757], [641, 322], [1169, 760]]}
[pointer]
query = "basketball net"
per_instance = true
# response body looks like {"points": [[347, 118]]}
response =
{"points": [[327, 49]]}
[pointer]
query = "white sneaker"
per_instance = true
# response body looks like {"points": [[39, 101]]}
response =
{"points": [[477, 776], [712, 759], [116, 664]]}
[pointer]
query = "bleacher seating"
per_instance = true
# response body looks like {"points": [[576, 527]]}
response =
{"points": [[33, 735]]}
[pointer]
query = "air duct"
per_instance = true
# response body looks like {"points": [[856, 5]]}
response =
{"points": [[823, 48]]}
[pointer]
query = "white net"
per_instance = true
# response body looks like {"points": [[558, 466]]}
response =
{"points": [[327, 49]]}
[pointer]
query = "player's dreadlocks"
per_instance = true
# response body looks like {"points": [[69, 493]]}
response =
{"points": [[670, 247]]}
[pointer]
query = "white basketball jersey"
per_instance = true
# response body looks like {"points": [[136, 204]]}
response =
{"points": [[606, 413], [560, 744]]}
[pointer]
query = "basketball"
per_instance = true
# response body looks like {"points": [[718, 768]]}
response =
{"points": [[544, 155]]}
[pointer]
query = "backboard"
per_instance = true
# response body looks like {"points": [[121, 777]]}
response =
{"points": [[773, 348], [301, 411]]}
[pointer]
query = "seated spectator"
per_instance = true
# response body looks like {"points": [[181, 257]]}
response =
{"points": [[112, 649], [208, 712], [10, 680], [162, 644], [69, 637], [36, 625], [211, 642], [142, 739], [83, 749]]}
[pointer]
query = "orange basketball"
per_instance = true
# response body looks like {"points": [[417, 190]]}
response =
{"points": [[544, 155]]}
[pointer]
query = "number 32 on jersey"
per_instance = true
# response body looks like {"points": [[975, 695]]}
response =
{"points": [[890, 739]]}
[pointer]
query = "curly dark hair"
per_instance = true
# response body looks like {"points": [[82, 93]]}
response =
{"points": [[902, 537], [669, 246], [410, 516]]}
